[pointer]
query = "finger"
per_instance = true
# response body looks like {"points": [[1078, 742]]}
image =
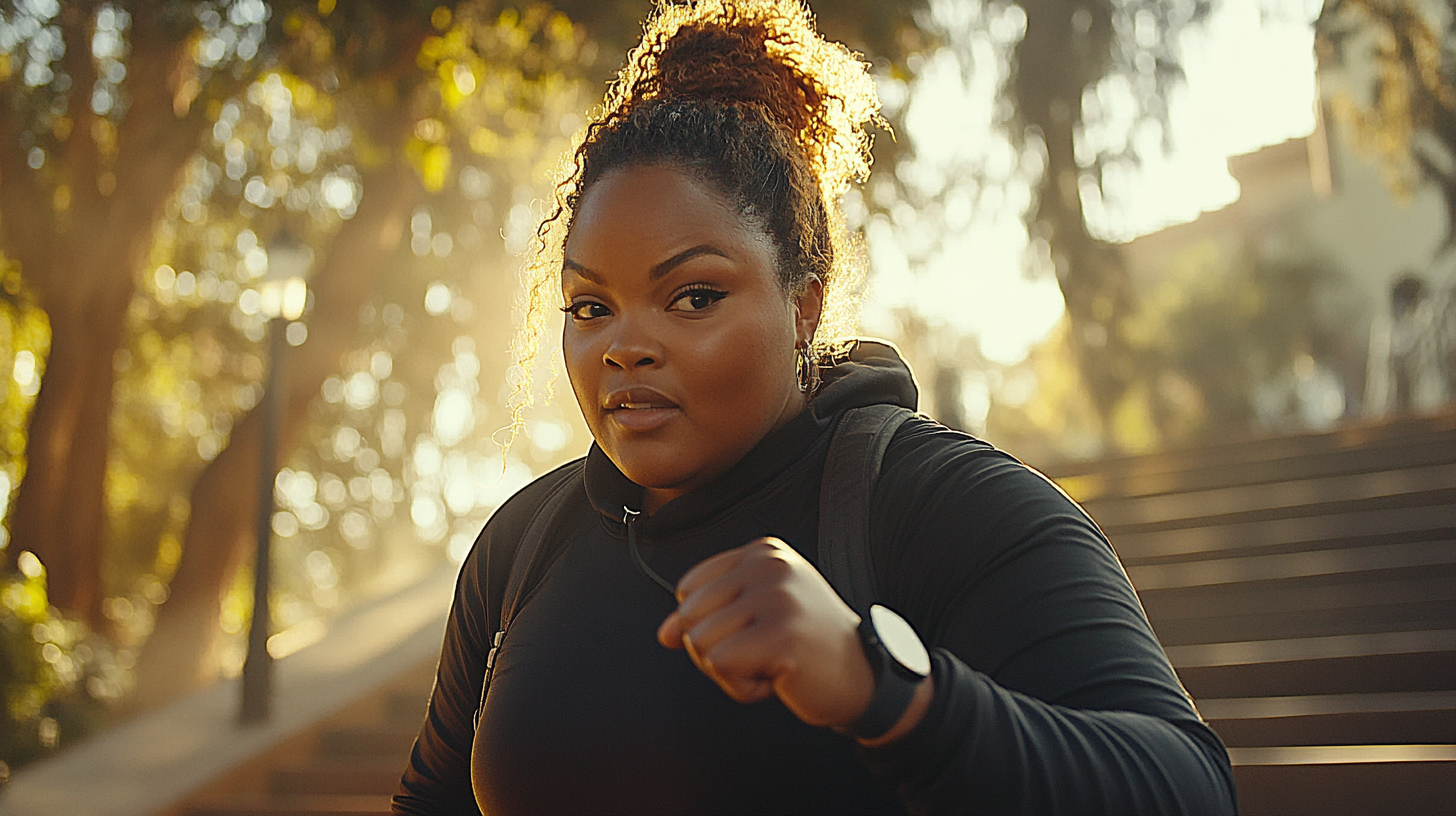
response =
{"points": [[724, 562], [745, 658], [744, 688], [722, 623], [708, 598], [748, 691], [670, 633], [707, 570]]}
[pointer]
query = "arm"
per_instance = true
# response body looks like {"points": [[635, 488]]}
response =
{"points": [[1051, 694], [437, 780]]}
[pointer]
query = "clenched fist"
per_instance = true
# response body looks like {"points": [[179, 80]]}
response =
{"points": [[760, 620]]}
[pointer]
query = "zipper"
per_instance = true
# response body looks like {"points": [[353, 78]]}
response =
{"points": [[629, 518], [500, 636]]}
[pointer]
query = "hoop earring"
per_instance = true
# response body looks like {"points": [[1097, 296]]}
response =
{"points": [[806, 371]]}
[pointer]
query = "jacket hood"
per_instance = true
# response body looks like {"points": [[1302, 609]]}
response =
{"points": [[870, 373]]}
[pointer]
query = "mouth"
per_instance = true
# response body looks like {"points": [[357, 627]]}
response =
{"points": [[639, 409]]}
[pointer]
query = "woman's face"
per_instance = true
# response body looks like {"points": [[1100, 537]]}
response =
{"points": [[679, 341]]}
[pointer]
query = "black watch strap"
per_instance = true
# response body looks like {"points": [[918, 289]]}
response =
{"points": [[892, 697], [895, 684]]}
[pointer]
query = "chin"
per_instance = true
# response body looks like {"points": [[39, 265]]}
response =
{"points": [[658, 465], [651, 472]]}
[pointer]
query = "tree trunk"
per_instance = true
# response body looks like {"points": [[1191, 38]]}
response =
{"points": [[60, 509], [82, 253], [1055, 64], [219, 534]]}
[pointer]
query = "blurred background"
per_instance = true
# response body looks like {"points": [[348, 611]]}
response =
{"points": [[1099, 229]]}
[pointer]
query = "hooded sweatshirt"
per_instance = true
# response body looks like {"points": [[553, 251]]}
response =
{"points": [[1052, 695]]}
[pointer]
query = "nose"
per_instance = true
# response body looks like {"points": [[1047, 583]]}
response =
{"points": [[631, 347]]}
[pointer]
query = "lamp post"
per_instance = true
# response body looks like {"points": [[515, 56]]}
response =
{"points": [[283, 292]]}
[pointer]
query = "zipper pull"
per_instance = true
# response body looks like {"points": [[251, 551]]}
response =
{"points": [[489, 666], [629, 518]]}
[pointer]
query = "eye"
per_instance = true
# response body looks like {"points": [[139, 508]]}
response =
{"points": [[586, 310], [696, 299]]}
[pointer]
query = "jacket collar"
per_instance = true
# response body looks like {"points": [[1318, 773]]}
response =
{"points": [[872, 373]]}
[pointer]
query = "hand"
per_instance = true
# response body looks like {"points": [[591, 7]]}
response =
{"points": [[759, 620]]}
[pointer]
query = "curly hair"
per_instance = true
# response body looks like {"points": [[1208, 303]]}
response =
{"points": [[748, 98]]}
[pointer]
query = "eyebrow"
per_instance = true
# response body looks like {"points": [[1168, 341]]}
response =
{"points": [[657, 272]]}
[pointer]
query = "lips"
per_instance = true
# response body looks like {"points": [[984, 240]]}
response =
{"points": [[639, 409]]}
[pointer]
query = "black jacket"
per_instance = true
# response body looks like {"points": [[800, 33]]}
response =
{"points": [[1052, 694]]}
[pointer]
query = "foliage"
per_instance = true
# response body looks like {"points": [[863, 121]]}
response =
{"points": [[1398, 97], [278, 114], [57, 678], [1080, 94], [24, 341], [1222, 345], [397, 449]]}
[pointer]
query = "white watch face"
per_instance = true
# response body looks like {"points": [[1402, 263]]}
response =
{"points": [[900, 640]]}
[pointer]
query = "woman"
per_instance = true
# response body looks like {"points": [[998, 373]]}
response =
{"points": [[681, 652]]}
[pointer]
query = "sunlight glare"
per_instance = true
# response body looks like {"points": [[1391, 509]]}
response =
{"points": [[1250, 83]]}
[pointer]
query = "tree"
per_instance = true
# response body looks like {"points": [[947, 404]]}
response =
{"points": [[92, 142], [411, 116], [1403, 108], [1067, 51]]}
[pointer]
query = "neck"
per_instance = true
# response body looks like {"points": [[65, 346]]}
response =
{"points": [[653, 498]]}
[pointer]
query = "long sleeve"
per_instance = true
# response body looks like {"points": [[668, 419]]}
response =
{"points": [[437, 780], [1052, 694]]}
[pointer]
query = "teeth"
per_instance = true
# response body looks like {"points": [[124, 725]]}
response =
{"points": [[635, 405]]}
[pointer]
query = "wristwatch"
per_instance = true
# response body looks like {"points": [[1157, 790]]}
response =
{"points": [[899, 662]]}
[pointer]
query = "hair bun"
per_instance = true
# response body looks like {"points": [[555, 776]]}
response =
{"points": [[733, 65], [765, 53]]}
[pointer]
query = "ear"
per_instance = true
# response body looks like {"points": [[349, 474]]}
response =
{"points": [[808, 308]]}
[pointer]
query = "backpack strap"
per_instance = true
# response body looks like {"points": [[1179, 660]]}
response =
{"points": [[534, 555], [850, 472]]}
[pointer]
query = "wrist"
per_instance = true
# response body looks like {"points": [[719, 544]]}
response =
{"points": [[919, 705], [900, 666]]}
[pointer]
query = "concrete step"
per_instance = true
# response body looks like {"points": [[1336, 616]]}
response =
{"points": [[349, 764], [1280, 500], [1258, 459], [1421, 717], [1333, 781], [298, 805], [1343, 527]]}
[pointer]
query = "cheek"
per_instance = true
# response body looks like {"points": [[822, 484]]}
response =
{"points": [[746, 371], [576, 352]]}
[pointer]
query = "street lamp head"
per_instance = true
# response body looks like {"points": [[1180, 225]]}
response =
{"points": [[284, 288]]}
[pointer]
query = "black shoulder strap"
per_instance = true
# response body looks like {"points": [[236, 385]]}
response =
{"points": [[534, 555], [537, 549], [850, 473]]}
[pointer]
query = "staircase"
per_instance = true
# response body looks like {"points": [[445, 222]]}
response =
{"points": [[1305, 590], [348, 765]]}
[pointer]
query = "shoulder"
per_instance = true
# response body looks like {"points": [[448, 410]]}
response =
{"points": [[489, 559], [511, 518], [931, 462], [486, 568], [951, 505]]}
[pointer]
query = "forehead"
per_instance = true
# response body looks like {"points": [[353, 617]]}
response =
{"points": [[643, 214]]}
